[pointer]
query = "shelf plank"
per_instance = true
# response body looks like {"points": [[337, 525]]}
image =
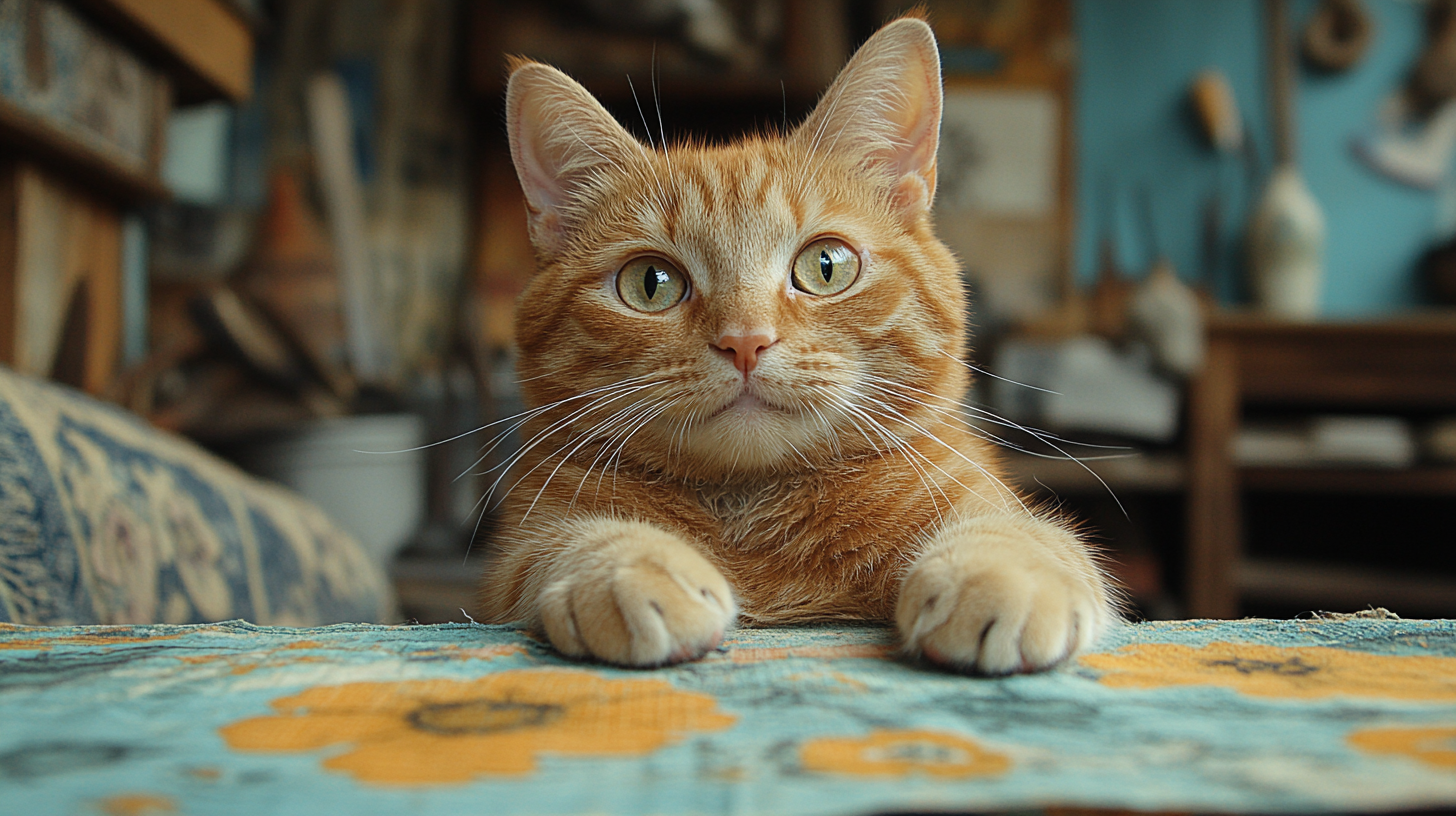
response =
{"points": [[206, 46], [1418, 481], [1346, 589], [1409, 361], [71, 157]]}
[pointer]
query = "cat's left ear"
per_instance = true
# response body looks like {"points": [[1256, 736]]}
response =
{"points": [[884, 109]]}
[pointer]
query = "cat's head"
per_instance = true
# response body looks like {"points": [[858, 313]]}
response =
{"points": [[729, 309]]}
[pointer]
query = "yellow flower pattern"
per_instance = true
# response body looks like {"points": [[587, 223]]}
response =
{"points": [[1433, 746], [1274, 671], [451, 731]]}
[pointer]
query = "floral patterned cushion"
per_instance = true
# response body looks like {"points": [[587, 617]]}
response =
{"points": [[104, 519]]}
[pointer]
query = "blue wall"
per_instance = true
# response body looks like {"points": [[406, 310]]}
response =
{"points": [[1134, 129]]}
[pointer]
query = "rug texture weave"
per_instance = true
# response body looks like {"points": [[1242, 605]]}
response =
{"points": [[1249, 716]]}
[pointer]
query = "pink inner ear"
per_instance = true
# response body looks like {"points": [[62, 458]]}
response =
{"points": [[914, 193], [540, 184], [537, 169], [919, 125], [558, 135]]}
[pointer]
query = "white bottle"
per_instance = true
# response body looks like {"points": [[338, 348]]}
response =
{"points": [[1286, 248]]}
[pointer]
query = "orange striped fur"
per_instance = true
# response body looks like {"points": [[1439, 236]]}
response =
{"points": [[669, 488]]}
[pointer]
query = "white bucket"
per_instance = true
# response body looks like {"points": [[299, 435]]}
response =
{"points": [[377, 495]]}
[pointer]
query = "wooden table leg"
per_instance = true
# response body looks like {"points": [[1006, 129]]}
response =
{"points": [[1215, 525]]}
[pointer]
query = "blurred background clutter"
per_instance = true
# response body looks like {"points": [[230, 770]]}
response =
{"points": [[1211, 247]]}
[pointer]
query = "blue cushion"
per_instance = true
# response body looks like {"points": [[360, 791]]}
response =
{"points": [[104, 519]]}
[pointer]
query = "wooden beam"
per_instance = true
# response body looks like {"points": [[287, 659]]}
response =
{"points": [[205, 45], [72, 158], [1215, 527]]}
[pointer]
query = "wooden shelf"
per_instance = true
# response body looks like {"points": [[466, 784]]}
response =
{"points": [[1402, 363], [77, 161], [1167, 473], [1346, 589], [1419, 481], [206, 46]]}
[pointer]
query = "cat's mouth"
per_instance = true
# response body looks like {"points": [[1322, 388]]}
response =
{"points": [[746, 403]]}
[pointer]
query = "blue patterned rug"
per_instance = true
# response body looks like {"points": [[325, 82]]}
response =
{"points": [[1249, 716]]}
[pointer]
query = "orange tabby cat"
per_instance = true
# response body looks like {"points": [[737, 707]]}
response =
{"points": [[744, 365]]}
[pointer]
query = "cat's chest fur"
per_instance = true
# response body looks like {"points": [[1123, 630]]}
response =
{"points": [[817, 543], [778, 512]]}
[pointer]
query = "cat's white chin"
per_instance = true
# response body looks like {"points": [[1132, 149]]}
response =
{"points": [[746, 404], [748, 434]]}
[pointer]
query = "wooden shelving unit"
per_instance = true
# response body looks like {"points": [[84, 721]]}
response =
{"points": [[1416, 481], [1389, 366], [81, 140]]}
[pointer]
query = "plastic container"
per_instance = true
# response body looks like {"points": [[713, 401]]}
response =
{"points": [[378, 495]]}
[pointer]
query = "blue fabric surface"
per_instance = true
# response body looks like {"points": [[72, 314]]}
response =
{"points": [[104, 519], [1249, 716]]}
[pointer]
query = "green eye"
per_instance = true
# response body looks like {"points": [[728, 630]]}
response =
{"points": [[826, 267], [651, 285]]}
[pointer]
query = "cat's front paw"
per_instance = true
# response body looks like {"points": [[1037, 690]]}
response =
{"points": [[992, 599], [636, 596]]}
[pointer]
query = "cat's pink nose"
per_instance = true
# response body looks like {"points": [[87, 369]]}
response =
{"points": [[745, 349]]}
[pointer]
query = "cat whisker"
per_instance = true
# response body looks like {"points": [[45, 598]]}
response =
{"points": [[588, 146], [892, 441], [931, 435], [983, 372], [623, 418], [688, 421], [995, 419], [520, 421], [544, 460], [892, 413], [622, 446], [805, 175], [829, 433], [527, 416], [661, 130], [646, 127], [839, 402], [586, 438], [470, 432], [907, 450], [959, 414], [661, 193], [551, 430], [554, 373], [1044, 438]]}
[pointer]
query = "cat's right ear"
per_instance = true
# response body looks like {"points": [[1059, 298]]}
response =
{"points": [[561, 141]]}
